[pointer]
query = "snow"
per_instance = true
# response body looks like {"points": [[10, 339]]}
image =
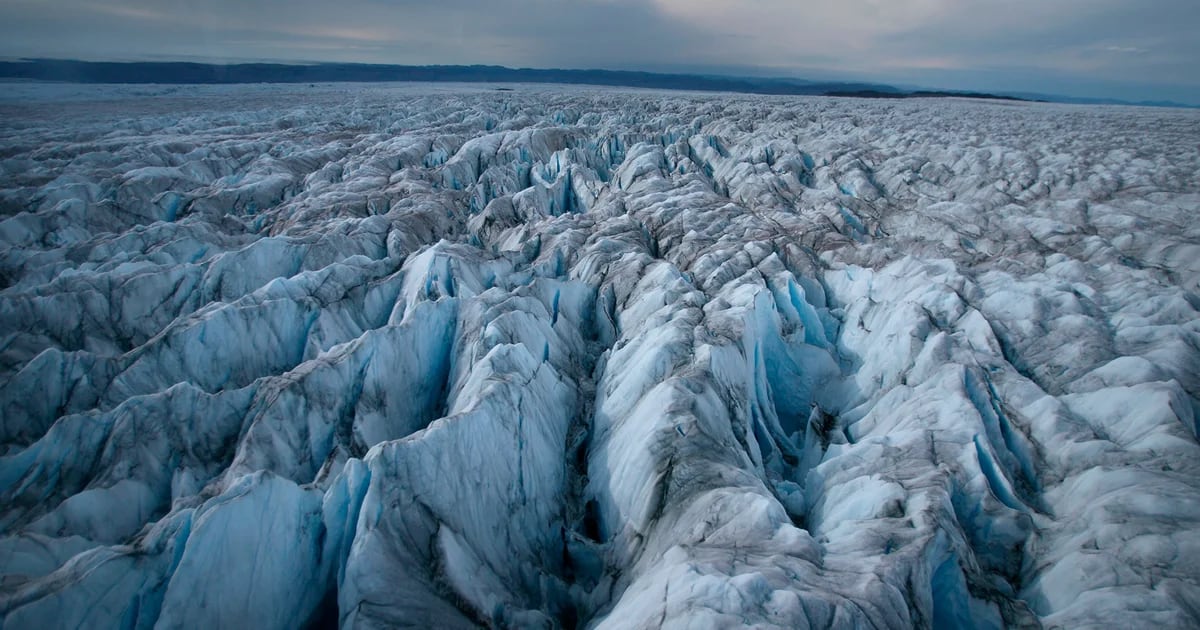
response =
{"points": [[379, 356]]}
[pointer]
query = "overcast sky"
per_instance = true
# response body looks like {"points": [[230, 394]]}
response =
{"points": [[1133, 49]]}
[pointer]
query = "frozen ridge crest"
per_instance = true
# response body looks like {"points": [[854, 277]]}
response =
{"points": [[375, 357]]}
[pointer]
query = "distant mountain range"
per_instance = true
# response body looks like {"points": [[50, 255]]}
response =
{"points": [[173, 72], [184, 72]]}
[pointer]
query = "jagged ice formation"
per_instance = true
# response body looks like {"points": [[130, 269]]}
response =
{"points": [[378, 356]]}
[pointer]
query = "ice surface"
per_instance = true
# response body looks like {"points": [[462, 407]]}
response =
{"points": [[441, 356]]}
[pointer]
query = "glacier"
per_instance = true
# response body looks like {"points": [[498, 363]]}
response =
{"points": [[375, 356]]}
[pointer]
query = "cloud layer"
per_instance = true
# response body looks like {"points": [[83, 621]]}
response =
{"points": [[1121, 48]]}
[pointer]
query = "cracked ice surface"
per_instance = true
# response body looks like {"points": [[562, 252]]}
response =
{"points": [[420, 356]]}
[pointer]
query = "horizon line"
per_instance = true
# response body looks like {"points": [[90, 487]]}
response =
{"points": [[723, 81]]}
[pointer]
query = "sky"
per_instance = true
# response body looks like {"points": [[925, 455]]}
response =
{"points": [[1126, 49]]}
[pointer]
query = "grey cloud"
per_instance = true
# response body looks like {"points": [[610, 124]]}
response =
{"points": [[1164, 30], [531, 32], [1120, 45]]}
